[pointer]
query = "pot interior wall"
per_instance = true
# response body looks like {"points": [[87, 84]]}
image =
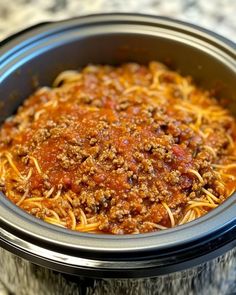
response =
{"points": [[41, 65]]}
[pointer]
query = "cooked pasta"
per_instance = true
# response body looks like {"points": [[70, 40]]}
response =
{"points": [[120, 150]]}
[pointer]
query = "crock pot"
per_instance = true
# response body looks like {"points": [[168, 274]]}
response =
{"points": [[33, 58]]}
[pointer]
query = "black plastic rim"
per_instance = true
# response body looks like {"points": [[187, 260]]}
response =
{"points": [[104, 255]]}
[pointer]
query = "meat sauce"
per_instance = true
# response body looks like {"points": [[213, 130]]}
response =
{"points": [[120, 145]]}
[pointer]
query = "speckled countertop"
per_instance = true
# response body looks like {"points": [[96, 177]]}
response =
{"points": [[218, 15]]}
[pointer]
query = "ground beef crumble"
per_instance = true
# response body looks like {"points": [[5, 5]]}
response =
{"points": [[117, 143]]}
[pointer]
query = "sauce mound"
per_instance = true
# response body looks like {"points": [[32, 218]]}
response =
{"points": [[120, 150]]}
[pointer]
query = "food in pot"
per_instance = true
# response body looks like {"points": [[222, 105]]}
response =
{"points": [[120, 150]]}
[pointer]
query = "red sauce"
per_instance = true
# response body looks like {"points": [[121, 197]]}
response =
{"points": [[116, 145]]}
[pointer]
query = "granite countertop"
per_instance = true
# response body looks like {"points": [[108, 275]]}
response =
{"points": [[218, 16]]}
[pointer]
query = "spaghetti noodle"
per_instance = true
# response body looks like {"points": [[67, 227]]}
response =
{"points": [[130, 149]]}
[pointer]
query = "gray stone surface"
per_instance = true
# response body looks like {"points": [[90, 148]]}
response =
{"points": [[218, 15]]}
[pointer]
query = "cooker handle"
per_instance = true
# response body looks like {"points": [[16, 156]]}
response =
{"points": [[14, 35]]}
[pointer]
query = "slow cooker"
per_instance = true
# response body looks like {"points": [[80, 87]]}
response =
{"points": [[33, 58]]}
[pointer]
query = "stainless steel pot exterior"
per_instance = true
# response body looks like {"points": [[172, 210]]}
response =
{"points": [[210, 278], [36, 56]]}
